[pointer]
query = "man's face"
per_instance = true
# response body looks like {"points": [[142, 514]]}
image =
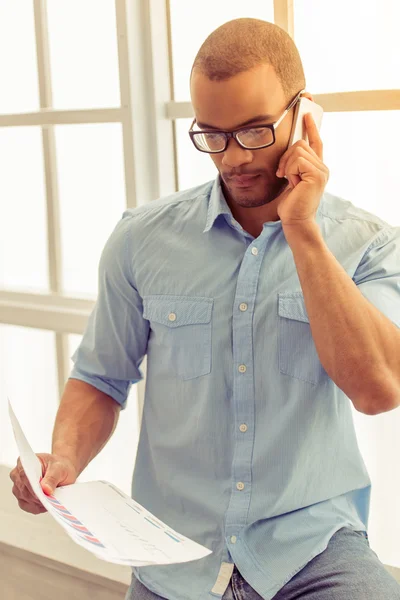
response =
{"points": [[226, 105]]}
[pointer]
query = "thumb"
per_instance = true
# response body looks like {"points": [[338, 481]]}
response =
{"points": [[50, 481]]}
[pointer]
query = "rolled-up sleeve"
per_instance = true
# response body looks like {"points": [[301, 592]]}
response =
{"points": [[115, 339], [378, 274]]}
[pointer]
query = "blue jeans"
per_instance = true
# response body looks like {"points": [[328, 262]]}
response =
{"points": [[347, 569]]}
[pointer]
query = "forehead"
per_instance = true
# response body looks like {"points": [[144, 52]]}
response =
{"points": [[225, 104]]}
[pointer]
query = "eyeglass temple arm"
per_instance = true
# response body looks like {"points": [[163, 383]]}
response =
{"points": [[293, 102]]}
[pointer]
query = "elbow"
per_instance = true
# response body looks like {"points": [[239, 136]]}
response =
{"points": [[382, 396]]}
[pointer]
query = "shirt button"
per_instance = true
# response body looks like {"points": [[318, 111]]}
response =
{"points": [[242, 368], [172, 317], [254, 251], [240, 485], [243, 306], [233, 539], [243, 427]]}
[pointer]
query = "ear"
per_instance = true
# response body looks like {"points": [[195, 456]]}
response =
{"points": [[307, 95]]}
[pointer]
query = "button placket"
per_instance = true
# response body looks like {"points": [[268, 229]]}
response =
{"points": [[243, 388]]}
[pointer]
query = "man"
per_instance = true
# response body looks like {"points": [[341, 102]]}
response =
{"points": [[265, 306]]}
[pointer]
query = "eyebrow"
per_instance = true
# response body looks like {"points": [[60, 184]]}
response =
{"points": [[266, 117]]}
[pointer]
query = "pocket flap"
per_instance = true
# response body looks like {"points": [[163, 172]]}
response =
{"points": [[174, 311], [292, 306]]}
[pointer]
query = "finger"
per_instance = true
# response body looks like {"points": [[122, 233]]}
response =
{"points": [[303, 168], [27, 485], [31, 507], [30, 494], [51, 480], [21, 492], [300, 144], [43, 465], [24, 480], [292, 165], [314, 139], [13, 475]]}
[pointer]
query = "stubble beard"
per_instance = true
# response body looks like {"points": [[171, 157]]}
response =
{"points": [[249, 199]]}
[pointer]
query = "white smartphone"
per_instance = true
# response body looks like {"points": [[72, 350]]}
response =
{"points": [[299, 129]]}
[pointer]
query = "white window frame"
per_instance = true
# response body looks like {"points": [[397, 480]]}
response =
{"points": [[149, 158]]}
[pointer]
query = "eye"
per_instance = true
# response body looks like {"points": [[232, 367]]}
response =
{"points": [[254, 131], [213, 137]]}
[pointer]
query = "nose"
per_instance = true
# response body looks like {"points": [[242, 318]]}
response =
{"points": [[235, 155]]}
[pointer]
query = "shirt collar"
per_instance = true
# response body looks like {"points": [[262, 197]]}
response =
{"points": [[217, 205]]}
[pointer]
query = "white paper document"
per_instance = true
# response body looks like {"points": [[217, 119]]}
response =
{"points": [[104, 520]]}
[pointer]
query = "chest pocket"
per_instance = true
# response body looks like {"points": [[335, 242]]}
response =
{"points": [[181, 327], [298, 355]]}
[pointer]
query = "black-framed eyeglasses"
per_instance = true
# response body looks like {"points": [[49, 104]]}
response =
{"points": [[213, 141]]}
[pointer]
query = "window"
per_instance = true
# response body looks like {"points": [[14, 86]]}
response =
{"points": [[18, 55], [189, 29], [92, 198], [66, 140], [23, 231], [348, 46], [83, 53], [28, 376], [359, 148]]}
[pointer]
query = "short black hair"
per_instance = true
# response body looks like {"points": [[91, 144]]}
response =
{"points": [[242, 44]]}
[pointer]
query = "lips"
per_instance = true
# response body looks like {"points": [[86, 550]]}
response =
{"points": [[243, 179]]}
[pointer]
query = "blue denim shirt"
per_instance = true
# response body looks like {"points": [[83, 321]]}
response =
{"points": [[247, 446]]}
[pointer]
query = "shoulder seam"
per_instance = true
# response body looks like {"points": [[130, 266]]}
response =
{"points": [[152, 208]]}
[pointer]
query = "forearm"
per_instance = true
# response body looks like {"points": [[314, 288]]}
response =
{"points": [[85, 421], [356, 343]]}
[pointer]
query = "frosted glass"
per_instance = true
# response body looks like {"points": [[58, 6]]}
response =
{"points": [[92, 198], [116, 461], [28, 376], [18, 68], [348, 46], [23, 230], [189, 29], [361, 152], [83, 53]]}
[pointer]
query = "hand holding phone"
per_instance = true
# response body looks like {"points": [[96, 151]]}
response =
{"points": [[303, 107]]}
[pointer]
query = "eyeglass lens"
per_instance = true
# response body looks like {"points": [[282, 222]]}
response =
{"points": [[251, 138]]}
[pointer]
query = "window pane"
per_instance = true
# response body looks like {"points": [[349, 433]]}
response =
{"points": [[28, 376], [116, 461], [189, 29], [361, 152], [23, 230], [18, 69], [92, 198], [83, 53], [348, 46], [194, 167]]}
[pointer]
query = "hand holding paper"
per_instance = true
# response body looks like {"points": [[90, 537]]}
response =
{"points": [[56, 470], [105, 521]]}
